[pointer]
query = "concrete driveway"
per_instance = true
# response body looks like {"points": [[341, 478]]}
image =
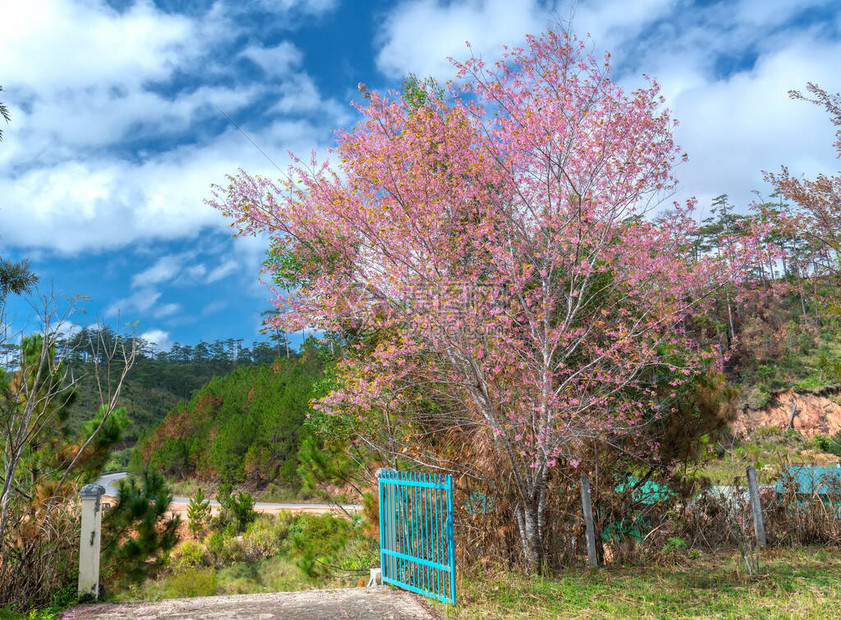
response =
{"points": [[347, 604]]}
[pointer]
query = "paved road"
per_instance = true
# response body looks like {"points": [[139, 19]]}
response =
{"points": [[348, 604], [109, 482]]}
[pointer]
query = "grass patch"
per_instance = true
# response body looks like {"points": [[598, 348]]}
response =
{"points": [[188, 488], [792, 583]]}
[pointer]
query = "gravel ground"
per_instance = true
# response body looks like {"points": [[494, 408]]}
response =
{"points": [[348, 604]]}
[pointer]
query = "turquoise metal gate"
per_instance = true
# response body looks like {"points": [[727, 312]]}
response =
{"points": [[417, 548]]}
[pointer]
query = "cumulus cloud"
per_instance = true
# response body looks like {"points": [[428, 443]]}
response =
{"points": [[159, 338], [106, 202], [276, 60], [83, 44], [116, 135], [736, 127], [420, 35], [728, 87]]}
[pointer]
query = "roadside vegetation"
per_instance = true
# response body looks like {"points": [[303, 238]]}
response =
{"points": [[270, 554]]}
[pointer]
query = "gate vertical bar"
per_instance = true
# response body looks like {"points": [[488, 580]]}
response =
{"points": [[413, 492], [436, 557], [451, 539], [424, 520], [383, 521], [439, 582]]}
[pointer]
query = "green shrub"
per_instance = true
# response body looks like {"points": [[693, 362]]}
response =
{"points": [[758, 396], [215, 542], [674, 545], [315, 539], [243, 508], [832, 444], [820, 442], [190, 554], [192, 582], [812, 383], [769, 433], [263, 537], [764, 372], [231, 551]]}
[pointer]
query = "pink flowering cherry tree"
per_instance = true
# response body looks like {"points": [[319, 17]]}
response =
{"points": [[494, 239]]}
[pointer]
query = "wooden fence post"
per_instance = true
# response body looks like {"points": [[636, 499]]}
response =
{"points": [[587, 505], [756, 507], [89, 541]]}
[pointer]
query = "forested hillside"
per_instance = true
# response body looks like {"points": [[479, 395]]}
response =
{"points": [[244, 427], [158, 380]]}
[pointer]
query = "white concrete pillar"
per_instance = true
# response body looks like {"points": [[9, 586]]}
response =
{"points": [[89, 541]]}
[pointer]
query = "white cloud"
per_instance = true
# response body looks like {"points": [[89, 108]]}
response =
{"points": [[420, 35], [734, 128], [84, 44], [222, 271], [166, 310], [105, 203], [214, 307], [728, 88], [103, 117], [299, 95], [164, 269], [195, 272], [171, 268], [610, 23], [159, 338], [278, 60], [490, 24], [311, 7], [138, 302], [81, 83]]}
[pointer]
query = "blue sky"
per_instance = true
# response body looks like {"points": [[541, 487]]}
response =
{"points": [[116, 137]]}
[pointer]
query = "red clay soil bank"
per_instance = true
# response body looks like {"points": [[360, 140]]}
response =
{"points": [[816, 415]]}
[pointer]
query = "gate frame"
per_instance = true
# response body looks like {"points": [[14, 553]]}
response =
{"points": [[424, 532]]}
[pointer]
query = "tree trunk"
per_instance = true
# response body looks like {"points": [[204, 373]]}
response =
{"points": [[730, 318], [529, 519]]}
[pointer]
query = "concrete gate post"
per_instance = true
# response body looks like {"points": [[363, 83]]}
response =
{"points": [[756, 507], [89, 540], [590, 530]]}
